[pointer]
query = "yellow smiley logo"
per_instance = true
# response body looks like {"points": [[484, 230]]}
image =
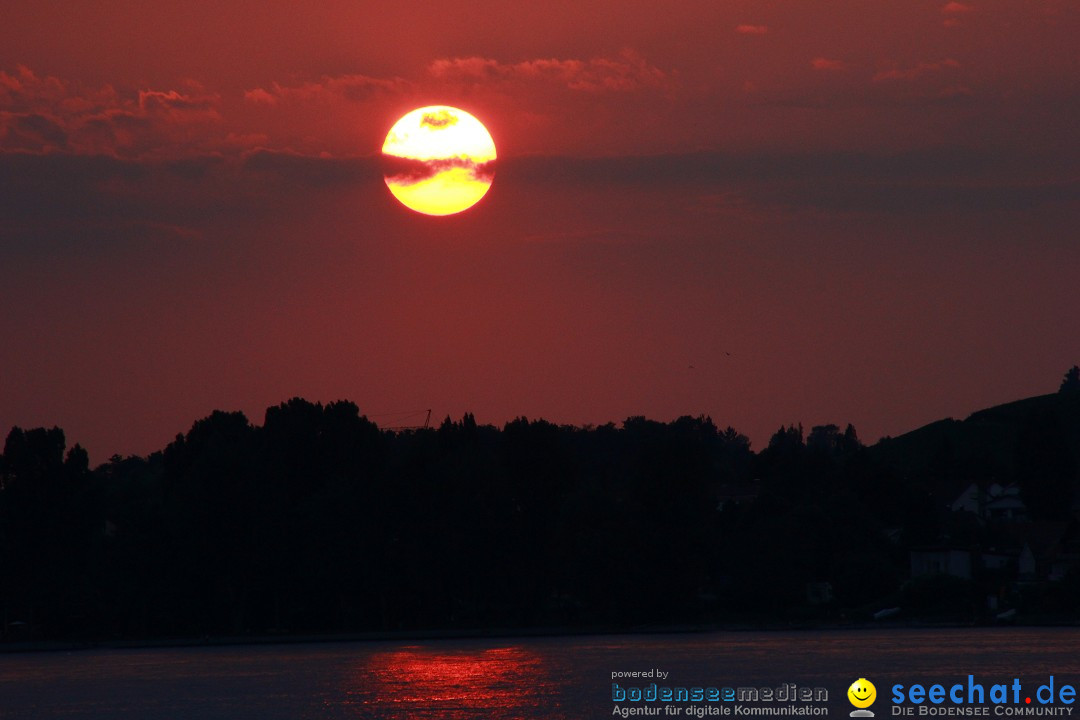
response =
{"points": [[862, 693]]}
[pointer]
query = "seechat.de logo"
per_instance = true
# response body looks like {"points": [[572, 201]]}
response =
{"points": [[862, 694]]}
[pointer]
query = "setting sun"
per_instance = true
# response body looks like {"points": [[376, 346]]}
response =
{"points": [[439, 160]]}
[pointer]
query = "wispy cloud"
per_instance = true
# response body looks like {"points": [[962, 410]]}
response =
{"points": [[752, 29], [820, 63], [905, 183], [914, 73], [352, 87], [955, 8], [625, 73], [953, 11]]}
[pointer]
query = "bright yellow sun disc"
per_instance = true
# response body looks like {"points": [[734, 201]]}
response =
{"points": [[440, 160]]}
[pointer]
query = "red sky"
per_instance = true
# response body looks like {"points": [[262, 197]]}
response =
{"points": [[834, 212]]}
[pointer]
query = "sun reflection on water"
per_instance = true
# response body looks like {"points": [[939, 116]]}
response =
{"points": [[419, 682]]}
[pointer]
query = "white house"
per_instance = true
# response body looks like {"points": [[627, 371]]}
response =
{"points": [[997, 503]]}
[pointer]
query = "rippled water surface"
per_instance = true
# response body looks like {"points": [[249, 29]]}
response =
{"points": [[500, 679]]}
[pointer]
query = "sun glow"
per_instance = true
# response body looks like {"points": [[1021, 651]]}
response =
{"points": [[439, 160]]}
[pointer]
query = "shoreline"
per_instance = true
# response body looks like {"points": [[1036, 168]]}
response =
{"points": [[48, 646]]}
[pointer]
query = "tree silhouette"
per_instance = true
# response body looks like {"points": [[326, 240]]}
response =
{"points": [[48, 516], [318, 521], [1071, 381]]}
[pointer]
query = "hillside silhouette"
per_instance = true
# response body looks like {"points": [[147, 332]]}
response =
{"points": [[318, 521]]}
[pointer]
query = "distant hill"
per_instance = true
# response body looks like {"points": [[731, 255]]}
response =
{"points": [[991, 445]]}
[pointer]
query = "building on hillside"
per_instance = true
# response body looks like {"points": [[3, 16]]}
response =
{"points": [[993, 503]]}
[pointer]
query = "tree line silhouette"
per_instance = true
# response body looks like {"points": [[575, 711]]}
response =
{"points": [[317, 521]]}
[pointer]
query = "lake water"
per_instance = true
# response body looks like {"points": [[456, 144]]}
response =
{"points": [[499, 679]]}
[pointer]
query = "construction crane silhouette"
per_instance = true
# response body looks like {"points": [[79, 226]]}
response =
{"points": [[425, 426]]}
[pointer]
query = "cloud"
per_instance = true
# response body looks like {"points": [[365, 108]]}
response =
{"points": [[71, 196], [31, 131], [439, 119], [752, 29], [296, 169], [956, 8], [953, 11], [79, 201], [626, 73], [820, 63], [928, 181], [25, 89], [48, 114], [173, 101], [407, 171], [914, 73], [260, 96], [246, 141], [353, 88]]}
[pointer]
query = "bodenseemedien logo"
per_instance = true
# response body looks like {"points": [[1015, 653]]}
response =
{"points": [[862, 694], [783, 700]]}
